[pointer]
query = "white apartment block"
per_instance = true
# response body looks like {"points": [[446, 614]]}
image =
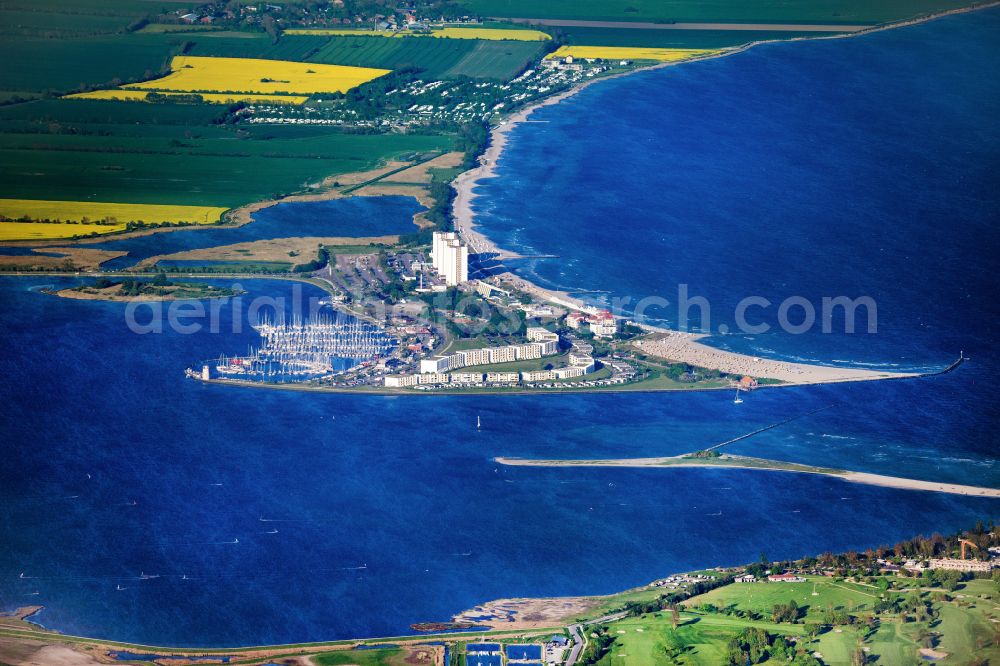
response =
{"points": [[474, 357], [538, 375], [530, 350], [438, 364], [503, 354], [439, 240], [489, 355], [548, 347], [539, 334], [569, 372], [450, 257]]}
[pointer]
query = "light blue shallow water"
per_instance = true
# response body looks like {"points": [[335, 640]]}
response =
{"points": [[390, 510]]}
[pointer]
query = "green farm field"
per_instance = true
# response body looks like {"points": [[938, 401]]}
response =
{"points": [[435, 56], [161, 166], [495, 60], [438, 58], [38, 64], [780, 11], [670, 39]]}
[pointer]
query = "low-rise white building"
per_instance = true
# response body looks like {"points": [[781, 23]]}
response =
{"points": [[398, 381], [584, 361], [537, 375], [501, 377], [433, 378], [466, 377], [956, 564], [537, 334], [604, 329]]}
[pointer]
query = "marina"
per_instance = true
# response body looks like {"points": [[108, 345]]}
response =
{"points": [[301, 349]]}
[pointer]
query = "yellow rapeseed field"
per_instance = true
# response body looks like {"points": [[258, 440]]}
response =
{"points": [[492, 34], [121, 213], [629, 53], [229, 75], [452, 33], [213, 98], [10, 231]]}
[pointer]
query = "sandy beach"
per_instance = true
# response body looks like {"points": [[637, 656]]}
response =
{"points": [[685, 348]]}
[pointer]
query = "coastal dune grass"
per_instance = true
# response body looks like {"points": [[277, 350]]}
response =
{"points": [[630, 53], [64, 219], [252, 75]]}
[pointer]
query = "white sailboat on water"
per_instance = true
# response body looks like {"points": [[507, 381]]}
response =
{"points": [[479, 424], [737, 400]]}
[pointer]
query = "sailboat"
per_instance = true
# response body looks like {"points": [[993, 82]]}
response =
{"points": [[479, 424], [737, 400]]}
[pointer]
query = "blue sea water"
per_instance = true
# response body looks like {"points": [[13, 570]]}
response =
{"points": [[838, 167], [24, 252], [390, 510], [354, 216]]}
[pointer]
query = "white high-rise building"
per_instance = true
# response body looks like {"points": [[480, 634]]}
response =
{"points": [[450, 257]]}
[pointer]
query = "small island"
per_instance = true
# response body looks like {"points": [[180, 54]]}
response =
{"points": [[157, 289]]}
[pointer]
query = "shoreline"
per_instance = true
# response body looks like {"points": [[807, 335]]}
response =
{"points": [[766, 465], [686, 347]]}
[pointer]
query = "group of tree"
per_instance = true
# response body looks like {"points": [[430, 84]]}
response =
{"points": [[787, 612]]}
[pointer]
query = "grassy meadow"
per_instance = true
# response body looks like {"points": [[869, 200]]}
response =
{"points": [[960, 623]]}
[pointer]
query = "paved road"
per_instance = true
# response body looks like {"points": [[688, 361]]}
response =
{"points": [[579, 641], [578, 644]]}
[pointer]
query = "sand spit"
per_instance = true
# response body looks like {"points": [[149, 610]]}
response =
{"points": [[761, 464]]}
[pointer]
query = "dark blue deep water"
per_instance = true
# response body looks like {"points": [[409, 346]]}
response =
{"points": [[355, 216], [841, 167], [389, 510]]}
